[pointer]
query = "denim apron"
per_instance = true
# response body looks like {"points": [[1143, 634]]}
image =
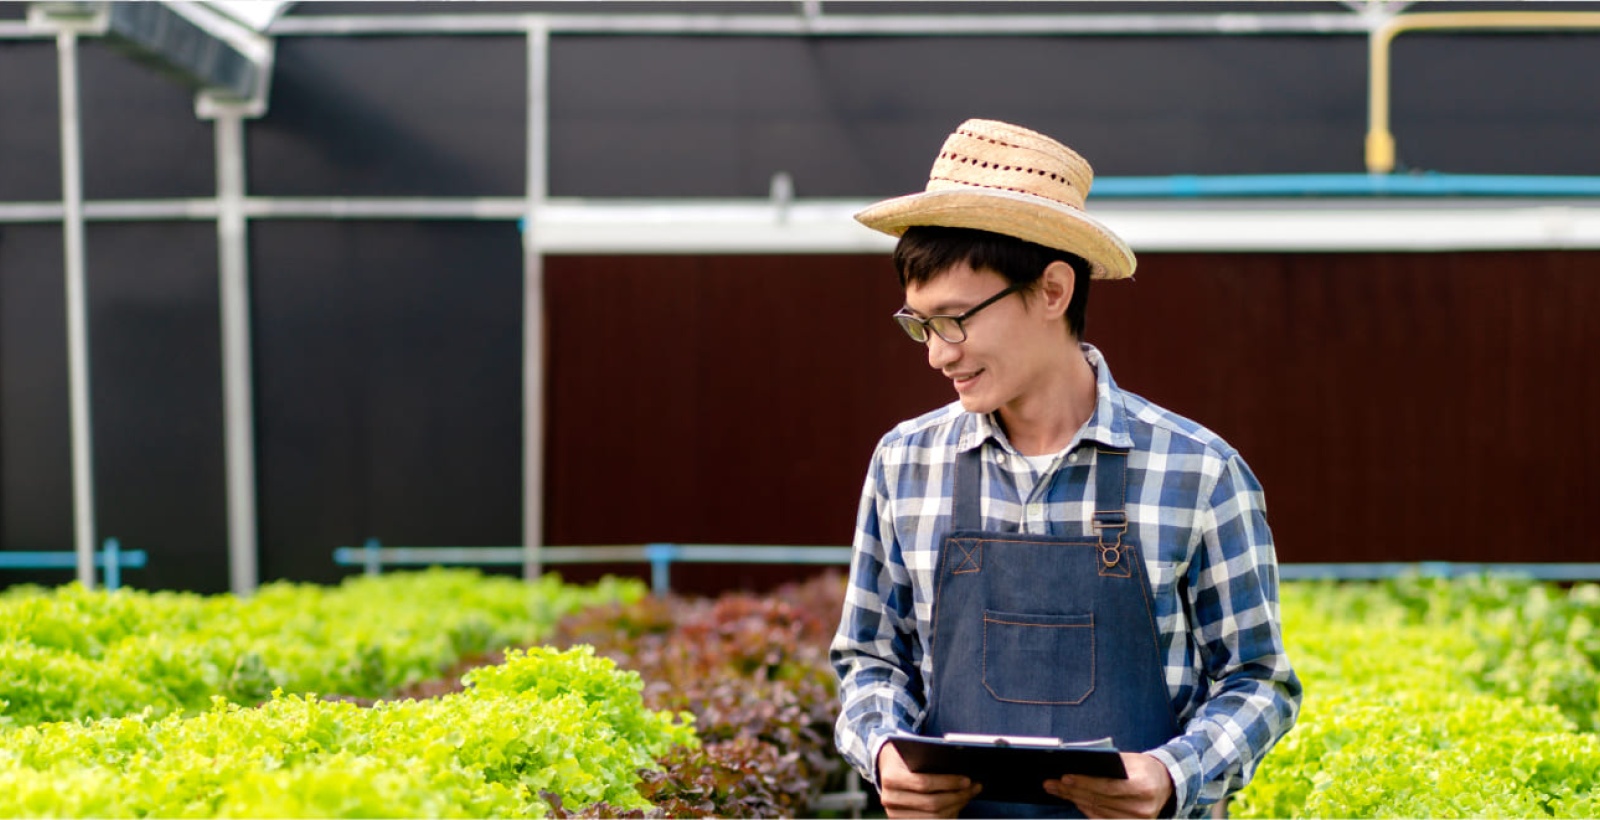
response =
{"points": [[1046, 635]]}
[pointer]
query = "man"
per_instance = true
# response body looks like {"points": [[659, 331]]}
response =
{"points": [[1050, 555]]}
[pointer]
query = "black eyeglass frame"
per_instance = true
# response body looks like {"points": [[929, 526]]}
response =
{"points": [[919, 328]]}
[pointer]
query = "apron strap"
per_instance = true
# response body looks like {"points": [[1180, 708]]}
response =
{"points": [[1110, 501], [964, 495]]}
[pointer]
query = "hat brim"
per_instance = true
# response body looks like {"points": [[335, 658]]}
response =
{"points": [[1010, 213]]}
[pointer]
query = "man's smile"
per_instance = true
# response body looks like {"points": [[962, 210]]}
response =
{"points": [[964, 379]]}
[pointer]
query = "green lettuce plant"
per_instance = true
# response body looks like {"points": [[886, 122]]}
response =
{"points": [[567, 725]]}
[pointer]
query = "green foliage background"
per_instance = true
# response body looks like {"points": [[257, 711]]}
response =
{"points": [[69, 653], [568, 724], [1476, 697]]}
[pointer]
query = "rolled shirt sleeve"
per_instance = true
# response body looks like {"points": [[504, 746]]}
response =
{"points": [[876, 652], [1253, 695]]}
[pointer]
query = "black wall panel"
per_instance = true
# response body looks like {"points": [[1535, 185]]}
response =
{"points": [[403, 116], [388, 387], [156, 382], [686, 116], [156, 393], [141, 139], [30, 134], [35, 448], [1504, 104]]}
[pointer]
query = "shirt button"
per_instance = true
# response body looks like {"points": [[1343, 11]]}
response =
{"points": [[1073, 458], [1034, 510]]}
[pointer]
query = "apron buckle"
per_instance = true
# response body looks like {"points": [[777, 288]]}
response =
{"points": [[1104, 520]]}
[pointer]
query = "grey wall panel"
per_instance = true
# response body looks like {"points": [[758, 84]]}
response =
{"points": [[156, 370], [1519, 104], [405, 116], [141, 139], [388, 387], [35, 448], [845, 8], [455, 7], [30, 135], [1178, 7], [657, 116], [905, 7]]}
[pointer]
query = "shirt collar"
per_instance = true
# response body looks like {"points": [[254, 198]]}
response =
{"points": [[1108, 425]]}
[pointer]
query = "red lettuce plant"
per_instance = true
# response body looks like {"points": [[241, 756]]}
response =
{"points": [[754, 672]]}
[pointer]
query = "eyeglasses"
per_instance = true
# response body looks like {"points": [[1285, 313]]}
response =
{"points": [[949, 328]]}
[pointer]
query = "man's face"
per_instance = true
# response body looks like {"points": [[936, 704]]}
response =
{"points": [[1005, 341]]}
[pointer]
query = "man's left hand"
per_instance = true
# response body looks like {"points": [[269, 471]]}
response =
{"points": [[1143, 794]]}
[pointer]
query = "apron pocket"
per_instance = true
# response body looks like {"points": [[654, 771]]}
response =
{"points": [[1043, 659]]}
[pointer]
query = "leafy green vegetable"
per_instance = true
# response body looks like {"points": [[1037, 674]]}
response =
{"points": [[72, 653], [1434, 698], [566, 723]]}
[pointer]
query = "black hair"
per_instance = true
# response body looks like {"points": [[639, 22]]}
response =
{"points": [[926, 252]]}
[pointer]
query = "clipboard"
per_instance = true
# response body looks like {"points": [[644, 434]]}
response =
{"points": [[1011, 769]]}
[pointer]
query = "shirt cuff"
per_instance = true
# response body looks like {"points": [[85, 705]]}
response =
{"points": [[1184, 766], [874, 746]]}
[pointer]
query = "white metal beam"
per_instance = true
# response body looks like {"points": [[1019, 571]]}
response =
{"points": [[533, 312], [830, 25], [82, 431], [668, 226], [238, 416], [1287, 226]]}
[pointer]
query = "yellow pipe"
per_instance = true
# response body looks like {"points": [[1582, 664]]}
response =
{"points": [[1380, 142]]}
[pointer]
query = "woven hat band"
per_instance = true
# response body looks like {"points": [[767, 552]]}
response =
{"points": [[1000, 156]]}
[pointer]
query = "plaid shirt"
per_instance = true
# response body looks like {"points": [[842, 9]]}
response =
{"points": [[1199, 517]]}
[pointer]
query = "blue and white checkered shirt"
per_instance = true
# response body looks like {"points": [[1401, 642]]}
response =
{"points": [[1199, 517]]}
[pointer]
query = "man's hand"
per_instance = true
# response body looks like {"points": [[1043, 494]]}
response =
{"points": [[908, 794], [1143, 794]]}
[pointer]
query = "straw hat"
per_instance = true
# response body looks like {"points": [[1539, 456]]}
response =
{"points": [[1009, 180]]}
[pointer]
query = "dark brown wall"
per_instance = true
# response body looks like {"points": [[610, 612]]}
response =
{"points": [[1396, 407], [725, 399]]}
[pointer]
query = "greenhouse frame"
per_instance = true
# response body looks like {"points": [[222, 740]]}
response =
{"points": [[277, 278]]}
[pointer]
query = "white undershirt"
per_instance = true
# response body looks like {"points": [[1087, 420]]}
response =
{"points": [[1041, 463], [1026, 479]]}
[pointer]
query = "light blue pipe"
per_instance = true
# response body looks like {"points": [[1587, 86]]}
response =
{"points": [[1193, 186], [1189, 186]]}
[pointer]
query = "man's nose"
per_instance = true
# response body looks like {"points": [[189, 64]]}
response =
{"points": [[941, 354]]}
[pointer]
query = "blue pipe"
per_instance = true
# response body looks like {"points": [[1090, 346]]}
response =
{"points": [[1189, 186], [1193, 186], [112, 558]]}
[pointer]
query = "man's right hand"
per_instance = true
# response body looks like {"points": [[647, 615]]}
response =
{"points": [[908, 794]]}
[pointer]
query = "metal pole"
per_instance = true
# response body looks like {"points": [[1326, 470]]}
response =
{"points": [[238, 399], [77, 310], [1380, 146], [533, 325]]}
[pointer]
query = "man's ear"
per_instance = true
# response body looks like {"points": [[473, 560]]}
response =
{"points": [[1055, 288]]}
